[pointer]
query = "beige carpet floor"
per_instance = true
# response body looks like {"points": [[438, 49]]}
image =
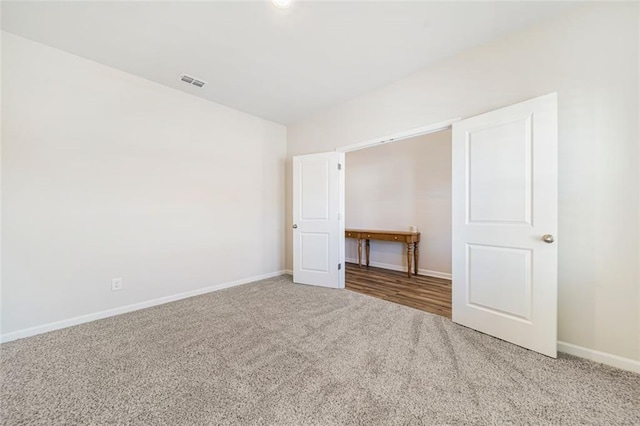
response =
{"points": [[274, 352]]}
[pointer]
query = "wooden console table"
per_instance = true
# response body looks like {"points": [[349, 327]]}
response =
{"points": [[411, 239]]}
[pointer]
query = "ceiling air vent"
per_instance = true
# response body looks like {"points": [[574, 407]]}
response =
{"points": [[192, 80]]}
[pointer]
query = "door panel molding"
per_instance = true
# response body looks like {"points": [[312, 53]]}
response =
{"points": [[318, 211], [504, 184]]}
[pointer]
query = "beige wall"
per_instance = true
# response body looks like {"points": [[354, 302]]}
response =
{"points": [[399, 184], [109, 175], [590, 58]]}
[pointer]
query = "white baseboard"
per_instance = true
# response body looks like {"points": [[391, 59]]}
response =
{"points": [[32, 331], [568, 348], [391, 267], [601, 357]]}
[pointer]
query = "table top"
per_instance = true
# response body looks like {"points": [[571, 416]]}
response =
{"points": [[378, 231]]}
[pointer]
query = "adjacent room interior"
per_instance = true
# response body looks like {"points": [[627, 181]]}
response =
{"points": [[191, 192], [393, 188]]}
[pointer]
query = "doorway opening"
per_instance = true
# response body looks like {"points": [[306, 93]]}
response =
{"points": [[503, 215], [398, 221]]}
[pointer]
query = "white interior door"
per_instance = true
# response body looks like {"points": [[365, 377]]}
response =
{"points": [[318, 225], [504, 223]]}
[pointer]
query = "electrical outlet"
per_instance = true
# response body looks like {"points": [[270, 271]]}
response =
{"points": [[116, 284]]}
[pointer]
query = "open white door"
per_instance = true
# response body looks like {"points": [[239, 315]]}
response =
{"points": [[505, 211], [318, 225]]}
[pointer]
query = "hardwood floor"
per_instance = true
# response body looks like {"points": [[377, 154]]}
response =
{"points": [[420, 292]]}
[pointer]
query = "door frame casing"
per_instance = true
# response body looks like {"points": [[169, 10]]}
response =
{"points": [[413, 132], [410, 133]]}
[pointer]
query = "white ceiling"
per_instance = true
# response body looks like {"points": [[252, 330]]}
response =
{"points": [[282, 65]]}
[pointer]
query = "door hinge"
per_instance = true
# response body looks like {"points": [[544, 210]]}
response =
{"points": [[339, 266], [339, 166]]}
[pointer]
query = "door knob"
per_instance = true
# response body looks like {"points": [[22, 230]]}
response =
{"points": [[548, 238], [296, 226]]}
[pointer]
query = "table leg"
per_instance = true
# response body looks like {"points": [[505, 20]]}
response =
{"points": [[416, 255], [409, 258], [359, 252], [367, 252]]}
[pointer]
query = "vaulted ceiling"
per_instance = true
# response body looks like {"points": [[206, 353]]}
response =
{"points": [[282, 65]]}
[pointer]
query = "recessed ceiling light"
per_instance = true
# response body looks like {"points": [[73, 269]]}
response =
{"points": [[282, 4]]}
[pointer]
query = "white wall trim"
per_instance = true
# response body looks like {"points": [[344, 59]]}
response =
{"points": [[418, 131], [425, 272], [568, 348], [32, 331], [601, 357]]}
